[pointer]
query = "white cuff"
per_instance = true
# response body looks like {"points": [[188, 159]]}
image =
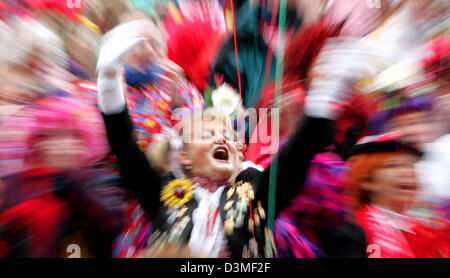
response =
{"points": [[318, 109], [250, 164], [110, 95]]}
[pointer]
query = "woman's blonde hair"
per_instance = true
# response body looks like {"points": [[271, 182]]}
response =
{"points": [[188, 129], [158, 155]]}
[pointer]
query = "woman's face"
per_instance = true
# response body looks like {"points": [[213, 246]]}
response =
{"points": [[212, 153], [60, 151], [13, 89], [393, 184]]}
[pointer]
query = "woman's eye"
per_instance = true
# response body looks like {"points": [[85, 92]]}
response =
{"points": [[207, 134], [392, 165]]}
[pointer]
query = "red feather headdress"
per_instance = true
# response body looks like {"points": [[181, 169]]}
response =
{"points": [[193, 45]]}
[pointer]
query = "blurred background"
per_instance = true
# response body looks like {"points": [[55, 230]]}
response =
{"points": [[50, 123]]}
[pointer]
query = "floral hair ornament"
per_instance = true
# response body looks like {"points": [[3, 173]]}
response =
{"points": [[223, 98]]}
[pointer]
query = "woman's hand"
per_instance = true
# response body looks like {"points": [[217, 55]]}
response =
{"points": [[116, 44], [341, 62], [135, 43]]}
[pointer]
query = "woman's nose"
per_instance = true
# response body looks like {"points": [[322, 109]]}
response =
{"points": [[219, 138], [408, 172]]}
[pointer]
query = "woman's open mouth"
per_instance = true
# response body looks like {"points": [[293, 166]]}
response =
{"points": [[221, 153], [407, 187]]}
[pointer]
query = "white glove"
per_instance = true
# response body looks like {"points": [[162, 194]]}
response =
{"points": [[340, 63], [115, 44]]}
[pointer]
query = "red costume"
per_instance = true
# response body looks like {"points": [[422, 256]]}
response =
{"points": [[392, 235]]}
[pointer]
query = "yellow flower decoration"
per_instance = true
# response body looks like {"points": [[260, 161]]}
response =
{"points": [[177, 193], [150, 123]]}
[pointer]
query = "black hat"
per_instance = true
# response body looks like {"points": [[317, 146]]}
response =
{"points": [[389, 142]]}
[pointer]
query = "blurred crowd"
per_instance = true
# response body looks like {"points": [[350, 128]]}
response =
{"points": [[377, 70]]}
